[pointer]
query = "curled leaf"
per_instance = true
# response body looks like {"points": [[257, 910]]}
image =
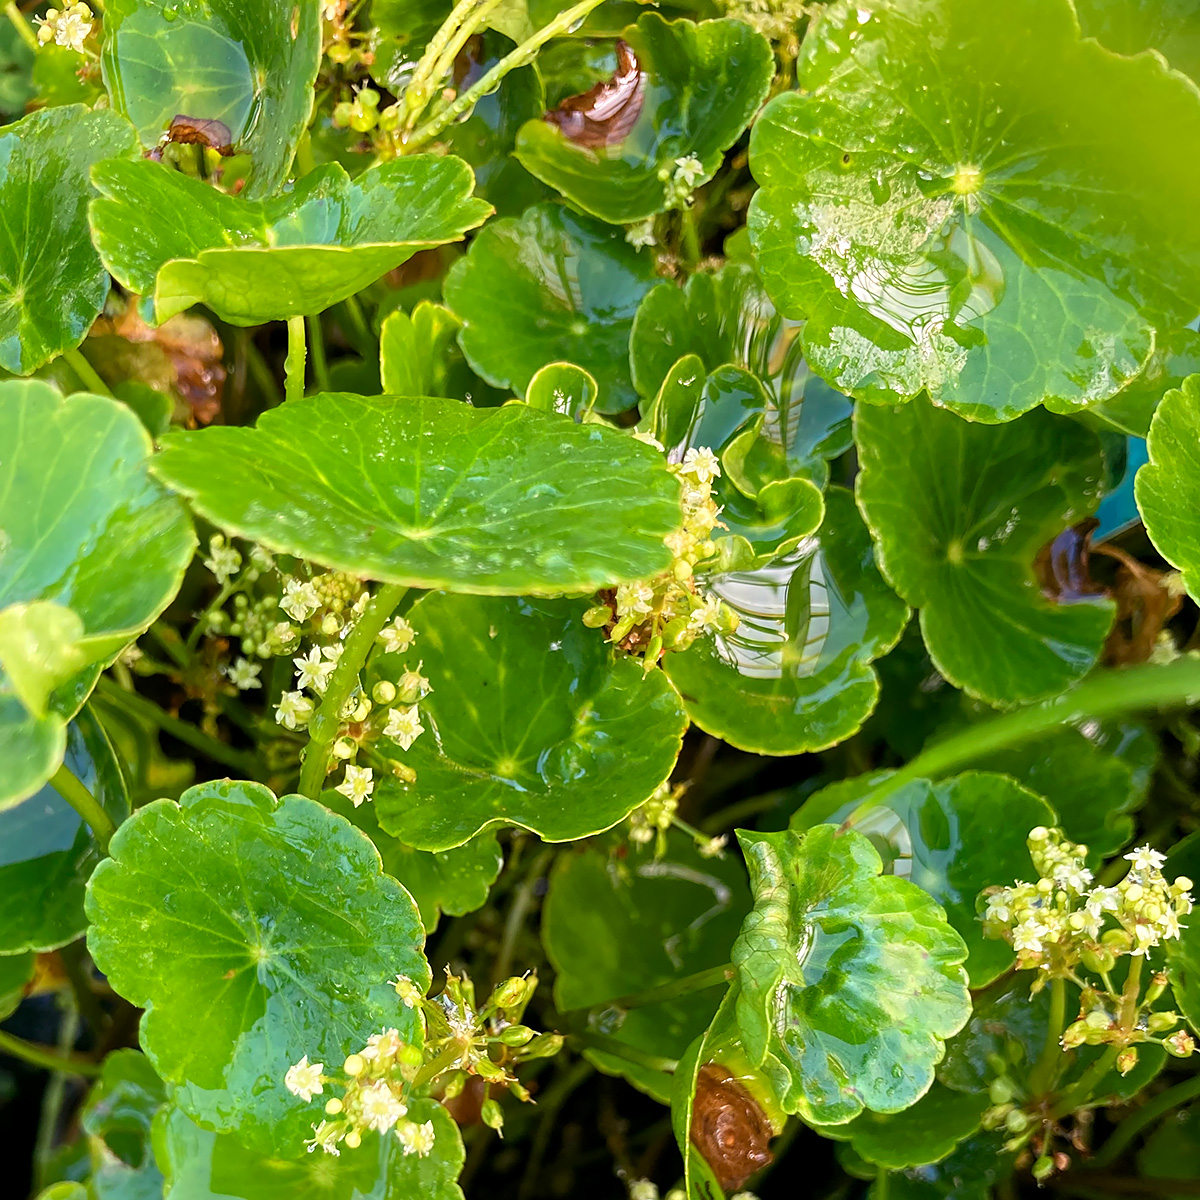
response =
{"points": [[608, 110]]}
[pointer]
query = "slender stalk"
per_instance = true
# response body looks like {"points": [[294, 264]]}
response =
{"points": [[262, 374], [327, 720], [691, 235], [619, 1049], [44, 1056], [86, 372], [1163, 1103], [518, 913], [316, 338], [20, 24], [183, 731], [293, 365], [1078, 1095], [358, 332], [445, 61], [1106, 694], [883, 1185], [698, 982], [1042, 1077], [523, 54], [417, 93], [85, 804]]}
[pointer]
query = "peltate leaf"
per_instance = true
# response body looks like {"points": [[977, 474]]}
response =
{"points": [[434, 493], [253, 931], [52, 282], [266, 260], [547, 287], [1004, 239], [688, 94], [850, 981], [959, 511], [528, 723]]}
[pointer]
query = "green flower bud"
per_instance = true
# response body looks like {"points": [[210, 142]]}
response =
{"points": [[491, 1114], [519, 1035], [339, 52], [1100, 960], [545, 1045], [345, 748], [598, 616], [1160, 1022], [1043, 1168], [513, 992], [1016, 1121], [1002, 1091], [383, 692], [1118, 940]]}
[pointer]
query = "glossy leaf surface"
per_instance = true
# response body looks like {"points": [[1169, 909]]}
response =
{"points": [[528, 723], [1004, 241], [252, 68], [44, 192], [16, 970], [253, 931], [617, 920], [116, 1118], [434, 493], [691, 92], [851, 981], [959, 512], [796, 674], [300, 252], [200, 1165], [547, 287], [1168, 487], [952, 839], [47, 851]]}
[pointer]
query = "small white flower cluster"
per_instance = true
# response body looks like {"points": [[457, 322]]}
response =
{"points": [[641, 234], [668, 612], [680, 180], [68, 27], [1060, 920]]}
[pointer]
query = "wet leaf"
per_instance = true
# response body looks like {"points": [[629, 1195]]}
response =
{"points": [[550, 287], [942, 239], [682, 91], [413, 350], [959, 511], [1176, 356], [116, 1117], [44, 164], [253, 931], [952, 839], [300, 252], [851, 981], [490, 501], [619, 920], [970, 1172], [528, 723], [1131, 26], [796, 674], [563, 388], [251, 68]]}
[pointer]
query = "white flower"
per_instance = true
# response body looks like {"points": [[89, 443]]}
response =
{"points": [[223, 561], [1102, 900], [300, 600], [303, 1079], [643, 1189], [413, 685], [416, 1139], [68, 28], [689, 170], [1072, 877], [294, 710], [130, 655], [1169, 924], [640, 236], [357, 786], [707, 615], [314, 669], [397, 636], [634, 599], [379, 1106], [1145, 859], [325, 1135], [1028, 936], [1146, 938], [999, 907], [404, 725], [407, 991], [384, 1045], [714, 847], [244, 674], [702, 464]]}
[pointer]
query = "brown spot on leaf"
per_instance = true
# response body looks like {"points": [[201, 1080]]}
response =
{"points": [[728, 1127], [607, 111]]}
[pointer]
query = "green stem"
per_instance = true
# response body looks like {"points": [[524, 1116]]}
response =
{"points": [[316, 337], [691, 236], [416, 94], [619, 1049], [518, 912], [1043, 1076], [261, 373], [1106, 694], [448, 1058], [44, 1056], [698, 982], [86, 372], [523, 54], [327, 720], [21, 25], [445, 61], [358, 332], [883, 1185], [293, 365], [184, 731], [85, 804], [73, 958], [1079, 1094], [1163, 1103]]}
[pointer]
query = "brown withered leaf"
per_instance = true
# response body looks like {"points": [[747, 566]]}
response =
{"points": [[729, 1128], [195, 131], [607, 111]]}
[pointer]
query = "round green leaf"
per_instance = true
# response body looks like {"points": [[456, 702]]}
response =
{"points": [[796, 674], [434, 493], [268, 260], [547, 287], [726, 317], [47, 851], [697, 88], [529, 723], [563, 388], [977, 203], [453, 882], [253, 931], [1168, 486], [413, 350], [252, 67], [958, 512], [618, 920], [952, 839], [971, 1172], [1172, 27], [117, 1117], [1176, 356], [850, 981], [200, 1165], [52, 283]]}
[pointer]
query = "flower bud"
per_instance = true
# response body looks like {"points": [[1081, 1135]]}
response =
{"points": [[1002, 1091], [491, 1114], [1016, 1121], [519, 1035], [1118, 940], [1127, 1060], [345, 748], [1043, 1168], [331, 624], [1160, 1022], [1179, 1044], [511, 992], [339, 53], [383, 692], [353, 1139], [355, 1065], [598, 616], [545, 1045], [1158, 985], [333, 1107], [1101, 959]]}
